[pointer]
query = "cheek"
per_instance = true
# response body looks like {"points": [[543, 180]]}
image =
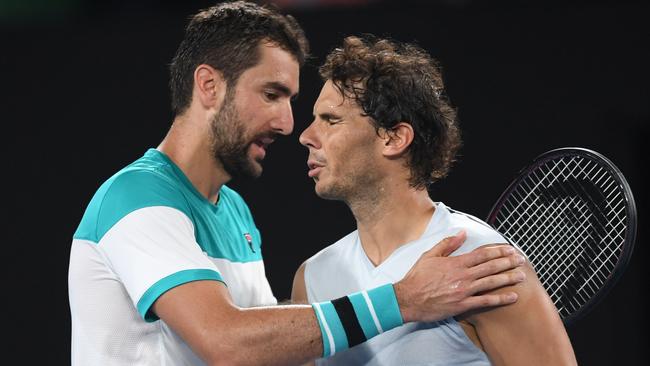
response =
{"points": [[249, 113], [251, 125], [346, 155]]}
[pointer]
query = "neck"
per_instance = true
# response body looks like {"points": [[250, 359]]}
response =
{"points": [[391, 217], [187, 144]]}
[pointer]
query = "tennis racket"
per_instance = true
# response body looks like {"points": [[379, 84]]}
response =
{"points": [[572, 213]]}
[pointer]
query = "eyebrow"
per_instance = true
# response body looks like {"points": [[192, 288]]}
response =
{"points": [[327, 115], [282, 89]]}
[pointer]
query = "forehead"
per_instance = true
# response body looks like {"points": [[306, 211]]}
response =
{"points": [[331, 99], [275, 66]]}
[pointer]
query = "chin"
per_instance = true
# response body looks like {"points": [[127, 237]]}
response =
{"points": [[326, 192], [256, 170], [255, 167], [247, 170]]}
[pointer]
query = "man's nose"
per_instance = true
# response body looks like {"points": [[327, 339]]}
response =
{"points": [[308, 137], [283, 124]]}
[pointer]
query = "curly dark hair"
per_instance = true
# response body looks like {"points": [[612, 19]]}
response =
{"points": [[396, 82], [226, 36]]}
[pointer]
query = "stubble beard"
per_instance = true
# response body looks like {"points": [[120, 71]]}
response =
{"points": [[336, 191], [358, 185], [229, 143]]}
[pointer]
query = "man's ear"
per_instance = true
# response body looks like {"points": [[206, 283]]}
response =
{"points": [[209, 86], [397, 140]]}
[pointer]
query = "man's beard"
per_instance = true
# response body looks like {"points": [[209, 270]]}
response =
{"points": [[229, 142]]}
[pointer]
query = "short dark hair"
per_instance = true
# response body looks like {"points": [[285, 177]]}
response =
{"points": [[396, 82], [227, 36]]}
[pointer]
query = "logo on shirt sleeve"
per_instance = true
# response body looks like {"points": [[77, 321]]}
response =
{"points": [[249, 239]]}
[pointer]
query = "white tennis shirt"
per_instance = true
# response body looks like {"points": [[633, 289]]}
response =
{"points": [[343, 268], [145, 231]]}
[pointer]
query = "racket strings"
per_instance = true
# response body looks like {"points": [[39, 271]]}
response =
{"points": [[554, 262], [574, 204], [542, 213], [579, 219], [544, 220]]}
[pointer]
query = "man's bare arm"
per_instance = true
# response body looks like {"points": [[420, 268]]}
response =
{"points": [[528, 332], [437, 287], [299, 289], [299, 292], [221, 333]]}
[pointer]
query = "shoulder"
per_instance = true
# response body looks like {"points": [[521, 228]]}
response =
{"points": [[131, 189], [479, 233], [138, 188]]}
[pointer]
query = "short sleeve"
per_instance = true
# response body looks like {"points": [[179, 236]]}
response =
{"points": [[153, 250], [143, 228]]}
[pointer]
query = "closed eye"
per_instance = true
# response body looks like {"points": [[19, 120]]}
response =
{"points": [[330, 119]]}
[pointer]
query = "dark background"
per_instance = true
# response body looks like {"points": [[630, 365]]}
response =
{"points": [[84, 92]]}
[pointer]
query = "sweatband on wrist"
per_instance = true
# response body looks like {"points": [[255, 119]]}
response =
{"points": [[353, 319]]}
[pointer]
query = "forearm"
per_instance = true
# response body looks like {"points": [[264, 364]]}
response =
{"points": [[279, 335], [222, 333], [298, 333]]}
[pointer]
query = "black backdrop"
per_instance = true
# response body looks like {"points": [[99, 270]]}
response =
{"points": [[84, 93]]}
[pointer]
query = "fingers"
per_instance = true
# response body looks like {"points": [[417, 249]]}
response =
{"points": [[497, 281], [497, 265], [448, 245], [486, 254], [483, 301]]}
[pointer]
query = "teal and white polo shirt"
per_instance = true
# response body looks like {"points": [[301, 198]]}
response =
{"points": [[147, 230]]}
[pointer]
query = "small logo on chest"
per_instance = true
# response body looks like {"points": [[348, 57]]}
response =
{"points": [[249, 239]]}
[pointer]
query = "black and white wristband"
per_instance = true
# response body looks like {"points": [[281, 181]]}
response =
{"points": [[353, 319]]}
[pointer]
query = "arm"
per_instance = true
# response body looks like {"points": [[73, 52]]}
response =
{"points": [[528, 332], [299, 289], [221, 333], [437, 287], [299, 292]]}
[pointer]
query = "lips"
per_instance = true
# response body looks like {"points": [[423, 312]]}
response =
{"points": [[265, 141], [261, 144], [314, 168]]}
